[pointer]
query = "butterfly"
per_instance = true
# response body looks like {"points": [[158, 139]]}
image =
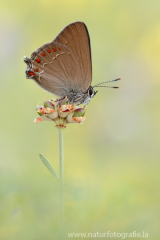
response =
{"points": [[64, 66]]}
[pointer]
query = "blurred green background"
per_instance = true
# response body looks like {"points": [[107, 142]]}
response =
{"points": [[112, 160]]}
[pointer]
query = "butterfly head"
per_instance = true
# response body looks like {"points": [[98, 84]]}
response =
{"points": [[91, 92]]}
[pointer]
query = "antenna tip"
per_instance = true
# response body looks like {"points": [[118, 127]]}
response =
{"points": [[119, 78]]}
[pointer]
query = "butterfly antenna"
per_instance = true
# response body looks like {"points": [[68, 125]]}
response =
{"points": [[107, 82], [108, 86]]}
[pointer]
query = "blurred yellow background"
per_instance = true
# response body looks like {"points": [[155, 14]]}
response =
{"points": [[111, 162]]}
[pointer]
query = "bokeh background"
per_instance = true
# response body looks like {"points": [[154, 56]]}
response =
{"points": [[111, 161]]}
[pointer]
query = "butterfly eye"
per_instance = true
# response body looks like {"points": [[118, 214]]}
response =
{"points": [[91, 92]]}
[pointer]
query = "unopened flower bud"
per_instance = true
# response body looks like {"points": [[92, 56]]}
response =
{"points": [[49, 104], [64, 110], [79, 112], [71, 119]]}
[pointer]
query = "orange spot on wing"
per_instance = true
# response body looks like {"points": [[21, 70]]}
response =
{"points": [[54, 49], [38, 60], [31, 73], [43, 54]]}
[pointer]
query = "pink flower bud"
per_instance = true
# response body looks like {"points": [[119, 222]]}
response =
{"points": [[37, 120], [49, 104], [64, 110]]}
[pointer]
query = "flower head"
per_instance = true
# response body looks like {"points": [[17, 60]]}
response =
{"points": [[60, 112]]}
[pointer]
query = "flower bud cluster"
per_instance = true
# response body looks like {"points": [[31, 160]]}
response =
{"points": [[60, 112]]}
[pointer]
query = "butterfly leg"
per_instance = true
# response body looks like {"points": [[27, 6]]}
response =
{"points": [[52, 99], [59, 99], [84, 106]]}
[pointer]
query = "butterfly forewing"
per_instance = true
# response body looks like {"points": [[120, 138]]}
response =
{"points": [[76, 37]]}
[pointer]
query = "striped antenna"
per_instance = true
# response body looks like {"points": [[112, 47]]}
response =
{"points": [[107, 82], [108, 86]]}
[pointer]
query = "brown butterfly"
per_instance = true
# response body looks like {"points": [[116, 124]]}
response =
{"points": [[64, 66]]}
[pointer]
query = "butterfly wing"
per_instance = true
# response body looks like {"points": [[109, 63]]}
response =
{"points": [[55, 69], [60, 66], [76, 37]]}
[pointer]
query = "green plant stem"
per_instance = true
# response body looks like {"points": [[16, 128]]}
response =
{"points": [[60, 150]]}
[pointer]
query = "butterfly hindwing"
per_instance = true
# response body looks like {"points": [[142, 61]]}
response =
{"points": [[58, 70]]}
